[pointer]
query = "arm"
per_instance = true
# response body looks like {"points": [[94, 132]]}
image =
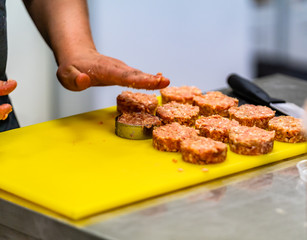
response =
{"points": [[64, 24]]}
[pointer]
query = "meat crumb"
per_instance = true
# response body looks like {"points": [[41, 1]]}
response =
{"points": [[174, 160]]}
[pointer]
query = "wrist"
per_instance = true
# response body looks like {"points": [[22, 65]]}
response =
{"points": [[70, 52]]}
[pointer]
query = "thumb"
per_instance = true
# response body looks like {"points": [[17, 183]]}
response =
{"points": [[7, 87], [5, 109], [72, 79]]}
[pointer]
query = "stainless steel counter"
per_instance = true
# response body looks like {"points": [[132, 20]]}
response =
{"points": [[263, 203]]}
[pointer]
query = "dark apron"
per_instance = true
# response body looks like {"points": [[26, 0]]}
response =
{"points": [[11, 122]]}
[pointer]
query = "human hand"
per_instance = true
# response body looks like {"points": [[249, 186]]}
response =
{"points": [[6, 87], [89, 68]]}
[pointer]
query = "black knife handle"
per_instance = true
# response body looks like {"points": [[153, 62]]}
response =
{"points": [[250, 91]]}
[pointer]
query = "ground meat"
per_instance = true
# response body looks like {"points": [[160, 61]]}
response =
{"points": [[215, 103], [215, 127], [287, 129], [201, 150], [128, 101], [185, 114], [182, 94], [136, 125], [250, 140], [139, 119], [168, 137], [251, 115]]}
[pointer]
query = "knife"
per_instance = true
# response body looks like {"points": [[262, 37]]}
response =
{"points": [[250, 91]]}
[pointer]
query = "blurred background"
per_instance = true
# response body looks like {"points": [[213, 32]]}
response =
{"points": [[193, 42]]}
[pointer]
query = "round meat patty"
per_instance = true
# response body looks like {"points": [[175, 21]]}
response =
{"points": [[201, 150], [252, 115], [139, 119], [168, 137], [136, 125], [288, 129], [185, 114], [213, 103], [182, 94], [129, 101], [250, 140], [215, 127]]}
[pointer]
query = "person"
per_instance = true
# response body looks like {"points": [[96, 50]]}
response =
{"points": [[64, 25]]}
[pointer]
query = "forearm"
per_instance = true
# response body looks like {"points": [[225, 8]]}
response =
{"points": [[64, 24]]}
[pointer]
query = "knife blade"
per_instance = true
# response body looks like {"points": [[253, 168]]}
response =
{"points": [[250, 91]]}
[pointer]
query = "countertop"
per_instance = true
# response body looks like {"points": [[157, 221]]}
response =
{"points": [[268, 202]]}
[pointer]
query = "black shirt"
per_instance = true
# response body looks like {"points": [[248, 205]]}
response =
{"points": [[11, 121], [3, 39]]}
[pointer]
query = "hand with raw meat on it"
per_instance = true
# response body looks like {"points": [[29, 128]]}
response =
{"points": [[6, 87], [65, 26]]}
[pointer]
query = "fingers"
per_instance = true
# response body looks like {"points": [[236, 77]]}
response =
{"points": [[124, 75], [145, 81], [6, 87], [5, 109], [72, 79], [158, 82], [116, 72]]}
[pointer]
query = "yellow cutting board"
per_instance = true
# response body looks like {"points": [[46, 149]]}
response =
{"points": [[77, 166]]}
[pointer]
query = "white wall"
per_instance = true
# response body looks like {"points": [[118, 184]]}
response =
{"points": [[298, 32], [193, 42], [280, 31]]}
